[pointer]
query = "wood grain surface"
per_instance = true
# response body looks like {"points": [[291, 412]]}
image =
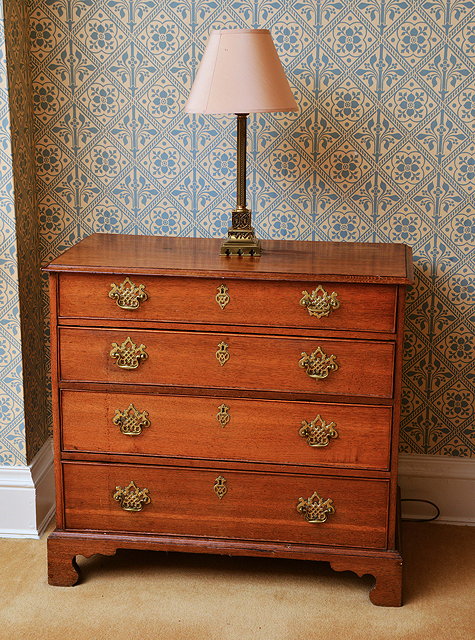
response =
{"points": [[191, 300], [258, 430], [385, 566], [281, 260], [255, 507], [255, 362]]}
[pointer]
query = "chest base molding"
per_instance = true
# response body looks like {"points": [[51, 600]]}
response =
{"points": [[384, 566]]}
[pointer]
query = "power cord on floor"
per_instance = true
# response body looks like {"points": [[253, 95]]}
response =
{"points": [[421, 519]]}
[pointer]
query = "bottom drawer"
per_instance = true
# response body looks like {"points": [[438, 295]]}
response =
{"points": [[226, 504]]}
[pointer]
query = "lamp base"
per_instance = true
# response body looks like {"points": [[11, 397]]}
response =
{"points": [[235, 246], [241, 240]]}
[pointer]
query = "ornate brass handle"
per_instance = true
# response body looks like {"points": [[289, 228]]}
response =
{"points": [[131, 421], [128, 295], [222, 354], [319, 303], [222, 297], [315, 509], [132, 498], [220, 487], [128, 355], [318, 433], [318, 365]]}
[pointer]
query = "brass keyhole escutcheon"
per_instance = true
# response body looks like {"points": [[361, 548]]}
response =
{"points": [[222, 297], [223, 416], [220, 487], [222, 354]]}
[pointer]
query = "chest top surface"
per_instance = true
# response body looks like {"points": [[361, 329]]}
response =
{"points": [[281, 259]]}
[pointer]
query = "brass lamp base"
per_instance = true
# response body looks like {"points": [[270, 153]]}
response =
{"points": [[241, 240], [234, 246]]}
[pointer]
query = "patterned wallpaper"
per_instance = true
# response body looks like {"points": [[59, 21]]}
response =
{"points": [[27, 225], [12, 424], [382, 149], [23, 425]]}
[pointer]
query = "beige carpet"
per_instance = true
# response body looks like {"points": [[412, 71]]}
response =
{"points": [[147, 595]]}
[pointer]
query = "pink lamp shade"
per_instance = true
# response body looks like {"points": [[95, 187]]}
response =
{"points": [[240, 73]]}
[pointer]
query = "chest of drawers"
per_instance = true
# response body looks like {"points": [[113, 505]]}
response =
{"points": [[244, 406]]}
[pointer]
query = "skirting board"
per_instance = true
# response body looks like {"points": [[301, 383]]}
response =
{"points": [[27, 496], [447, 481]]}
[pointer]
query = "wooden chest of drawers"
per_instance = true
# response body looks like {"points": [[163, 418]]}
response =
{"points": [[246, 406]]}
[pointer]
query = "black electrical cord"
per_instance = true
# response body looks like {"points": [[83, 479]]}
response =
{"points": [[421, 519]]}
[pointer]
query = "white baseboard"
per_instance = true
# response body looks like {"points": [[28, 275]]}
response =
{"points": [[447, 481], [27, 496]]}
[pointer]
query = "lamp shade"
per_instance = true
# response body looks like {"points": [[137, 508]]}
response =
{"points": [[240, 73]]}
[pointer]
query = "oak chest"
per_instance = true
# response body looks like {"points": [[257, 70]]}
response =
{"points": [[246, 406]]}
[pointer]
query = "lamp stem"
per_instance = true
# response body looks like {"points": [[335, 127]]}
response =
{"points": [[241, 240], [241, 133]]}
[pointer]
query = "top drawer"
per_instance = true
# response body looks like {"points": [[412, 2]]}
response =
{"points": [[357, 307]]}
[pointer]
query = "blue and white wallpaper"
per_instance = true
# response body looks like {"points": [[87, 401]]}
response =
{"points": [[12, 423], [23, 419], [382, 149], [20, 91]]}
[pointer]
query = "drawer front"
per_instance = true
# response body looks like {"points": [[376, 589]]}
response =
{"points": [[227, 429], [212, 360], [252, 506], [358, 307]]}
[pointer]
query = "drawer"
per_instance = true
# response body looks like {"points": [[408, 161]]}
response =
{"points": [[356, 436], [212, 360], [358, 307], [255, 506]]}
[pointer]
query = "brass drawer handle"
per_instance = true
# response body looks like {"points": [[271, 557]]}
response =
{"points": [[318, 433], [220, 487], [222, 354], [319, 303], [318, 365], [223, 416], [315, 509], [131, 421], [132, 498], [128, 355], [128, 295], [222, 297]]}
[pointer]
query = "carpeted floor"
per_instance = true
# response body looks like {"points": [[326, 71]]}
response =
{"points": [[147, 595]]}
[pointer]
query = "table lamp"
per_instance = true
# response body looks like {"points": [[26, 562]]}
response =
{"points": [[240, 73]]}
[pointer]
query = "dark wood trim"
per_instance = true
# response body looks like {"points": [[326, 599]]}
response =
{"points": [[342, 471], [224, 393], [103, 323], [392, 512], [53, 293]]}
